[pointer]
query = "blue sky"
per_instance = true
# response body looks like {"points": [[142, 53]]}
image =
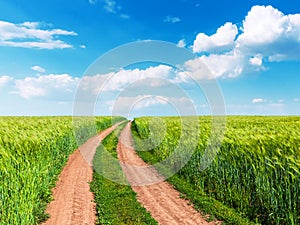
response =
{"points": [[251, 47]]}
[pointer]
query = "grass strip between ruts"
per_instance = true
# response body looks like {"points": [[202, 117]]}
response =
{"points": [[115, 203]]}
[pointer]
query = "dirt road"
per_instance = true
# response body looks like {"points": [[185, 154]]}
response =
{"points": [[73, 202], [160, 199]]}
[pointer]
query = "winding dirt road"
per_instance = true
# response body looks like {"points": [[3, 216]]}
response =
{"points": [[73, 202], [159, 198]]}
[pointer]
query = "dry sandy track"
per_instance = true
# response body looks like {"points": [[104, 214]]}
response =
{"points": [[160, 199], [73, 202]]}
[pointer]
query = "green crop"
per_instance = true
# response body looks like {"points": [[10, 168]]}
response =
{"points": [[33, 151], [256, 171]]}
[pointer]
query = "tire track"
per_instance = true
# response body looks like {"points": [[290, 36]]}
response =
{"points": [[73, 202], [160, 199]]}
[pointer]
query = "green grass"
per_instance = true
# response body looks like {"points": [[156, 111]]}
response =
{"points": [[256, 171], [33, 151], [116, 203], [208, 205]]}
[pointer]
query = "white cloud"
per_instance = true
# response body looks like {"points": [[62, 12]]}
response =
{"points": [[38, 69], [277, 57], [269, 32], [195, 69], [296, 99], [124, 16], [47, 85], [111, 6], [223, 39], [33, 44], [124, 105], [225, 65], [31, 25], [258, 100], [122, 78], [150, 100], [266, 35], [4, 80], [82, 46], [29, 35], [181, 43], [256, 60], [213, 66], [262, 25], [172, 19]]}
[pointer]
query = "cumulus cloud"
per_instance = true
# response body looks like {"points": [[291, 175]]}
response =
{"points": [[45, 85], [172, 19], [181, 43], [195, 69], [258, 100], [228, 65], [38, 69], [62, 87], [256, 60], [268, 31], [116, 81], [82, 46], [266, 35], [30, 35], [223, 39], [125, 104], [150, 101], [264, 25], [4, 80]]}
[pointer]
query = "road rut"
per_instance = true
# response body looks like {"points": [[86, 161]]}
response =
{"points": [[159, 198], [73, 202]]}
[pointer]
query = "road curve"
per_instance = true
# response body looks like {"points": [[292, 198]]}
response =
{"points": [[73, 202], [160, 199]]}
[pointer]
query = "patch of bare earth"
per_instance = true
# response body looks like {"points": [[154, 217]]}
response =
{"points": [[73, 202], [159, 198]]}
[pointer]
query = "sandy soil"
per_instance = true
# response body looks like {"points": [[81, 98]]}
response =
{"points": [[73, 202], [159, 198]]}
